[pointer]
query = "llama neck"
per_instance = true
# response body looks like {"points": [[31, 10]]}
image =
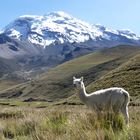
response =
{"points": [[83, 94]]}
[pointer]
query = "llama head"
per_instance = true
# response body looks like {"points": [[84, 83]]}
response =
{"points": [[78, 82]]}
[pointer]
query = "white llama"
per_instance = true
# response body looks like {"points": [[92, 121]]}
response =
{"points": [[115, 98]]}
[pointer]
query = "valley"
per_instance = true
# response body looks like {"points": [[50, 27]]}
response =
{"points": [[56, 84]]}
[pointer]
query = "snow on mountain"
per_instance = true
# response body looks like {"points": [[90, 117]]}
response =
{"points": [[129, 34], [54, 27], [123, 32], [58, 28]]}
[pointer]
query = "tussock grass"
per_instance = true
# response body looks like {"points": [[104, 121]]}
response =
{"points": [[68, 122], [11, 114]]}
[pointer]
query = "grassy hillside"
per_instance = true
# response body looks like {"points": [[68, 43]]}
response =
{"points": [[57, 83], [127, 75], [5, 84]]}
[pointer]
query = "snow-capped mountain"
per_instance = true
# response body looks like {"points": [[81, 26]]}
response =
{"points": [[54, 27], [59, 28], [35, 43]]}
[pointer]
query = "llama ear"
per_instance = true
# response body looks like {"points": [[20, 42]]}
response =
{"points": [[74, 78], [82, 79]]}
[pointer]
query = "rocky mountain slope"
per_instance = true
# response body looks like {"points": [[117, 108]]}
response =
{"points": [[57, 82]]}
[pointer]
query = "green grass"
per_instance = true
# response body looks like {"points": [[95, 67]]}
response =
{"points": [[5, 84], [21, 103], [70, 122]]}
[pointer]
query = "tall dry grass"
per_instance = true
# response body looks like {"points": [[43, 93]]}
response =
{"points": [[66, 122]]}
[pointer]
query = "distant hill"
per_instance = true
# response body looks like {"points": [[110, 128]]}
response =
{"points": [[101, 69]]}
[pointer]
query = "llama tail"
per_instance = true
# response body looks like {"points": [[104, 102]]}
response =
{"points": [[127, 97], [125, 106]]}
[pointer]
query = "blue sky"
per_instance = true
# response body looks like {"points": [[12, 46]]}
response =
{"points": [[116, 14]]}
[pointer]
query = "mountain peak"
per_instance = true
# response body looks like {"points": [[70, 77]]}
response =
{"points": [[59, 14], [29, 16], [55, 14], [61, 27]]}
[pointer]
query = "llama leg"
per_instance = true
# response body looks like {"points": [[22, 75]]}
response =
{"points": [[124, 111], [127, 116], [99, 114], [97, 111]]}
